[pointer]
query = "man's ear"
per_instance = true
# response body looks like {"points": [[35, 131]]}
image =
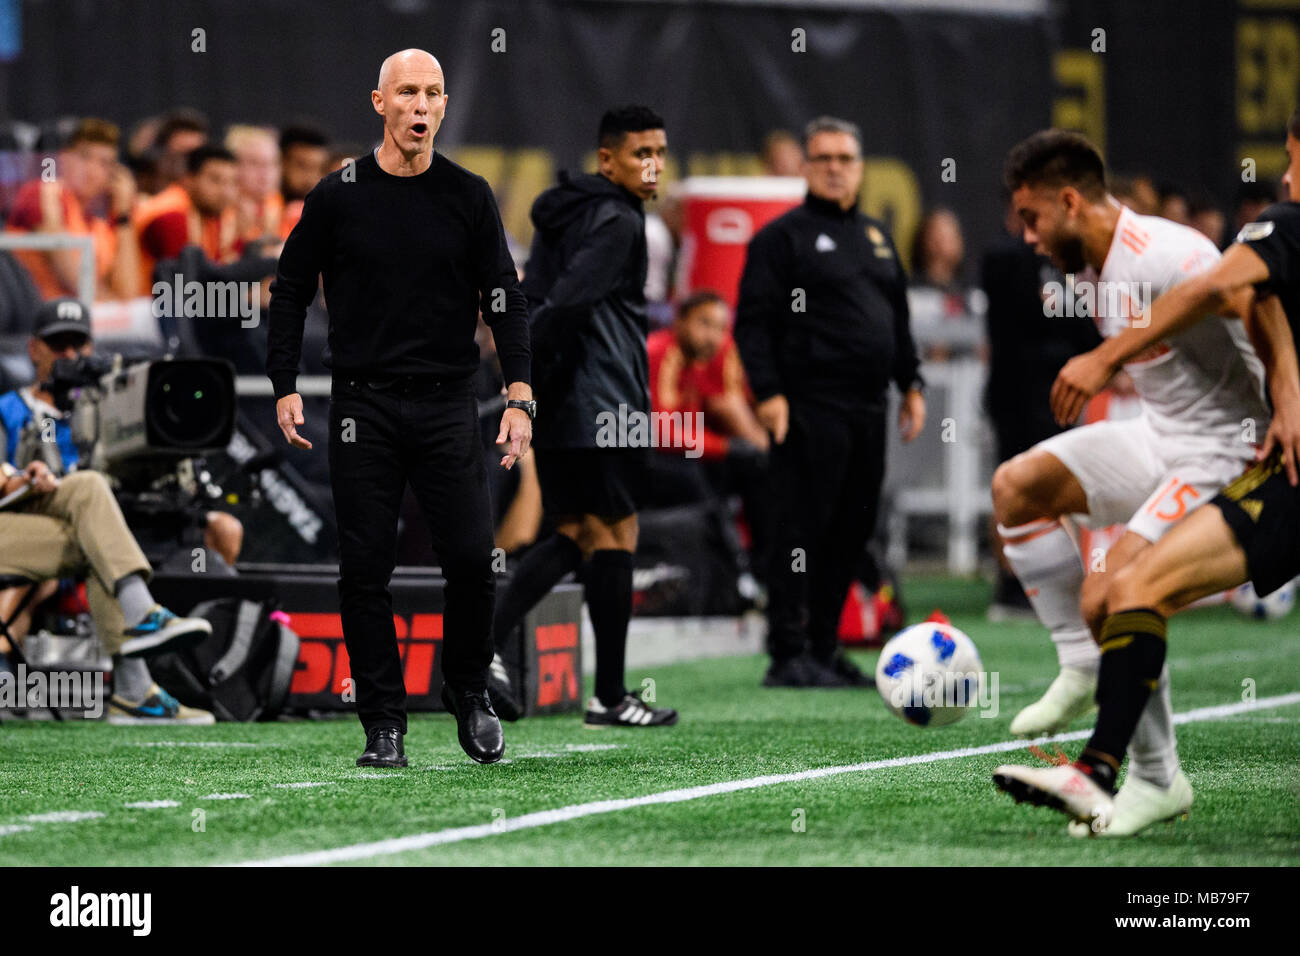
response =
{"points": [[377, 101], [604, 157], [1072, 199]]}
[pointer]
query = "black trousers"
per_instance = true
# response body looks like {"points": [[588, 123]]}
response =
{"points": [[825, 484], [380, 439]]}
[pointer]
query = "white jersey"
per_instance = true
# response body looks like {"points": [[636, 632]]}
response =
{"points": [[1203, 383]]}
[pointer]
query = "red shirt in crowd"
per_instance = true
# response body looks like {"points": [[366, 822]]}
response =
{"points": [[679, 385]]}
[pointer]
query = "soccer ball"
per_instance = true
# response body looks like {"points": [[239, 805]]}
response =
{"points": [[1270, 607], [929, 674]]}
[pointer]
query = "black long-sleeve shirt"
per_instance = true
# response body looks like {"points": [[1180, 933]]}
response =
{"points": [[405, 260], [823, 312]]}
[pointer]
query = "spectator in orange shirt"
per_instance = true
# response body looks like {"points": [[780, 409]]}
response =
{"points": [[260, 207], [695, 367], [89, 182], [199, 210]]}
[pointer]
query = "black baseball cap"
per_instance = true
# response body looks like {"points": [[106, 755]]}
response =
{"points": [[61, 315]]}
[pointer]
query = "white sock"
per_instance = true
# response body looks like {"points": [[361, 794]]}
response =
{"points": [[1153, 752], [1050, 569]]}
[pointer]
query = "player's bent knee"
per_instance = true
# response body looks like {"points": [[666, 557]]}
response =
{"points": [[1130, 588], [1013, 499]]}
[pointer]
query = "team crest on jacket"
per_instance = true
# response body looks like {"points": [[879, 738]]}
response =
{"points": [[878, 240]]}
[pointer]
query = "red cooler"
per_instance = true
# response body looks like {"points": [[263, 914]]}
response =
{"points": [[720, 215]]}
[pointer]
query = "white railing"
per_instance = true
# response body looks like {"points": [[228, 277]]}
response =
{"points": [[947, 470], [48, 241]]}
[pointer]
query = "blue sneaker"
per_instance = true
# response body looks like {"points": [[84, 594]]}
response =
{"points": [[158, 707], [163, 631]]}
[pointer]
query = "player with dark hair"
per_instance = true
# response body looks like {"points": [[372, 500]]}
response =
{"points": [[1197, 388], [584, 283], [1250, 530]]}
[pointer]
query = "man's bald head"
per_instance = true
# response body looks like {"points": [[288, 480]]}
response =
{"points": [[412, 100], [408, 64]]}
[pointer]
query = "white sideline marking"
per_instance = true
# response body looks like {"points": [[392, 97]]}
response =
{"points": [[63, 816], [191, 743], [226, 796], [300, 786], [9, 828], [151, 805], [542, 818]]}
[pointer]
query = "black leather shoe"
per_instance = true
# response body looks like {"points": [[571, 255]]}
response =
{"points": [[383, 749], [477, 724]]}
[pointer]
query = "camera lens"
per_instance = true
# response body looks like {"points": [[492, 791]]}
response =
{"points": [[189, 405]]}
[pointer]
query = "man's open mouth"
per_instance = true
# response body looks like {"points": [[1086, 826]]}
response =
{"points": [[419, 129]]}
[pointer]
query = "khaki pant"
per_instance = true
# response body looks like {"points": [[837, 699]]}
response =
{"points": [[76, 530]]}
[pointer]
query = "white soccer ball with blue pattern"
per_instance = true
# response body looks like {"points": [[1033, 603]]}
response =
{"points": [[1267, 608], [930, 674]]}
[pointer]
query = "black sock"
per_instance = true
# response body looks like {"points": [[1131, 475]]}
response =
{"points": [[607, 586], [539, 571], [1132, 657]]}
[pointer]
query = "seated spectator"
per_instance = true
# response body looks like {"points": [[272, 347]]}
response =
{"points": [[259, 208], [947, 313], [304, 153], [180, 133], [695, 369], [72, 526], [92, 194], [199, 210]]}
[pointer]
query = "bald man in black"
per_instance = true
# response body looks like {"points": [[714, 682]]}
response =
{"points": [[411, 247]]}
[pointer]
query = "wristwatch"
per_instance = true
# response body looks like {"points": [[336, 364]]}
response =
{"points": [[529, 406]]}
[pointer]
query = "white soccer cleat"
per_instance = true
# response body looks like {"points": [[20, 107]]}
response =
{"points": [[1070, 697], [1141, 803], [1063, 787]]}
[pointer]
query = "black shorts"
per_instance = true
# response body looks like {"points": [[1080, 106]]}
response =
{"points": [[591, 481], [1263, 511]]}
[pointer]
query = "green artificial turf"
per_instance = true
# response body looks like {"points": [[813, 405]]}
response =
{"points": [[1245, 770]]}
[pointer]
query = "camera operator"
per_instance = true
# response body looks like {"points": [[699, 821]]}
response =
{"points": [[72, 525]]}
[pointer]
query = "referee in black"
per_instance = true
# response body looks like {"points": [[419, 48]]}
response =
{"points": [[822, 328], [409, 245]]}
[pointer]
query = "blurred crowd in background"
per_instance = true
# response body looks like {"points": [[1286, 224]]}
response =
{"points": [[173, 190]]}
